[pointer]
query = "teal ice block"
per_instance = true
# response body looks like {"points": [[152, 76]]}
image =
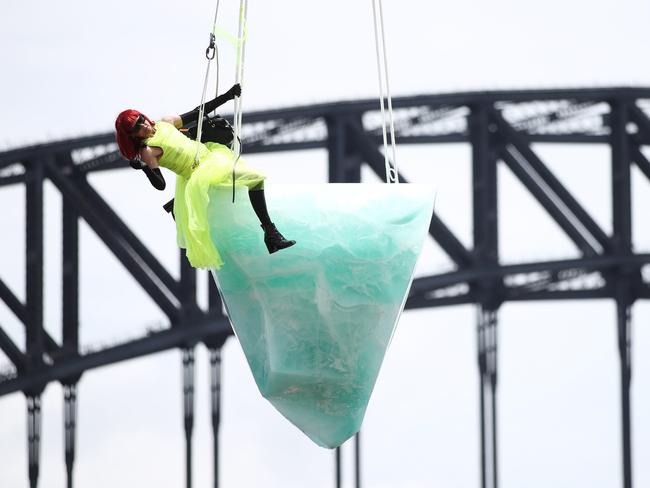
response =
{"points": [[315, 320]]}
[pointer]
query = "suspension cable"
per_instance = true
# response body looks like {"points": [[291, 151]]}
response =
{"points": [[392, 175], [239, 78], [239, 72], [210, 53]]}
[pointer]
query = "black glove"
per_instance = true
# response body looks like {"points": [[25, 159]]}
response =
{"points": [[155, 177], [235, 91], [137, 163], [193, 115]]}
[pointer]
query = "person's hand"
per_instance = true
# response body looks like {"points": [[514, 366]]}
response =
{"points": [[137, 163], [235, 91]]}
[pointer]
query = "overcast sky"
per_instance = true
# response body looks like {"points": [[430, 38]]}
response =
{"points": [[69, 67]]}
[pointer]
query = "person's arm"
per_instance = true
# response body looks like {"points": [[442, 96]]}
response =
{"points": [[155, 177], [175, 120], [193, 115], [148, 157], [149, 165]]}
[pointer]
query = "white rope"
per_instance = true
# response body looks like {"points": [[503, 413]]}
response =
{"points": [[239, 75], [216, 58], [239, 78], [392, 175], [199, 127], [381, 91], [388, 96]]}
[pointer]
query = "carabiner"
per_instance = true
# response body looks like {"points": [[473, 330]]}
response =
{"points": [[212, 48]]}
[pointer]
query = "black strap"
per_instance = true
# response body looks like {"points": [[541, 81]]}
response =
{"points": [[169, 206]]}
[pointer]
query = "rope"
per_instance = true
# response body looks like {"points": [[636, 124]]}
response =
{"points": [[210, 53], [239, 71], [392, 175], [239, 78]]}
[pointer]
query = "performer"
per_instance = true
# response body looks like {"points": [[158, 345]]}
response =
{"points": [[150, 145]]}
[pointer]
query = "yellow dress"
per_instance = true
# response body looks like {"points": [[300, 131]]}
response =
{"points": [[213, 167]]}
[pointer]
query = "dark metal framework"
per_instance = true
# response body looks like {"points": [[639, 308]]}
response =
{"points": [[499, 126]]}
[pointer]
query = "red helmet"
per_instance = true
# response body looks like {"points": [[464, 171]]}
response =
{"points": [[124, 124]]}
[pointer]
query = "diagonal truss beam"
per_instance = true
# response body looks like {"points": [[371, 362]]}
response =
{"points": [[641, 161], [517, 141], [125, 253], [531, 181], [14, 304], [448, 241], [437, 229], [18, 309], [119, 227], [12, 351]]}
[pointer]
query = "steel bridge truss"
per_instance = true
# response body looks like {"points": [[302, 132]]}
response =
{"points": [[500, 128]]}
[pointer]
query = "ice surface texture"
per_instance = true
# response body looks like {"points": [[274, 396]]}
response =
{"points": [[315, 320]]}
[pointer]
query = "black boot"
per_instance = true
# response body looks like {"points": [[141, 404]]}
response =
{"points": [[274, 240]]}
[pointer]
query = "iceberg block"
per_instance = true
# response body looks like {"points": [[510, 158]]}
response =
{"points": [[315, 320]]}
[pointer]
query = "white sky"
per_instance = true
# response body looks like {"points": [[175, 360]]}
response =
{"points": [[69, 67]]}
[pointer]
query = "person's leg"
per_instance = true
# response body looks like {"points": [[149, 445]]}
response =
{"points": [[258, 202], [272, 238]]}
